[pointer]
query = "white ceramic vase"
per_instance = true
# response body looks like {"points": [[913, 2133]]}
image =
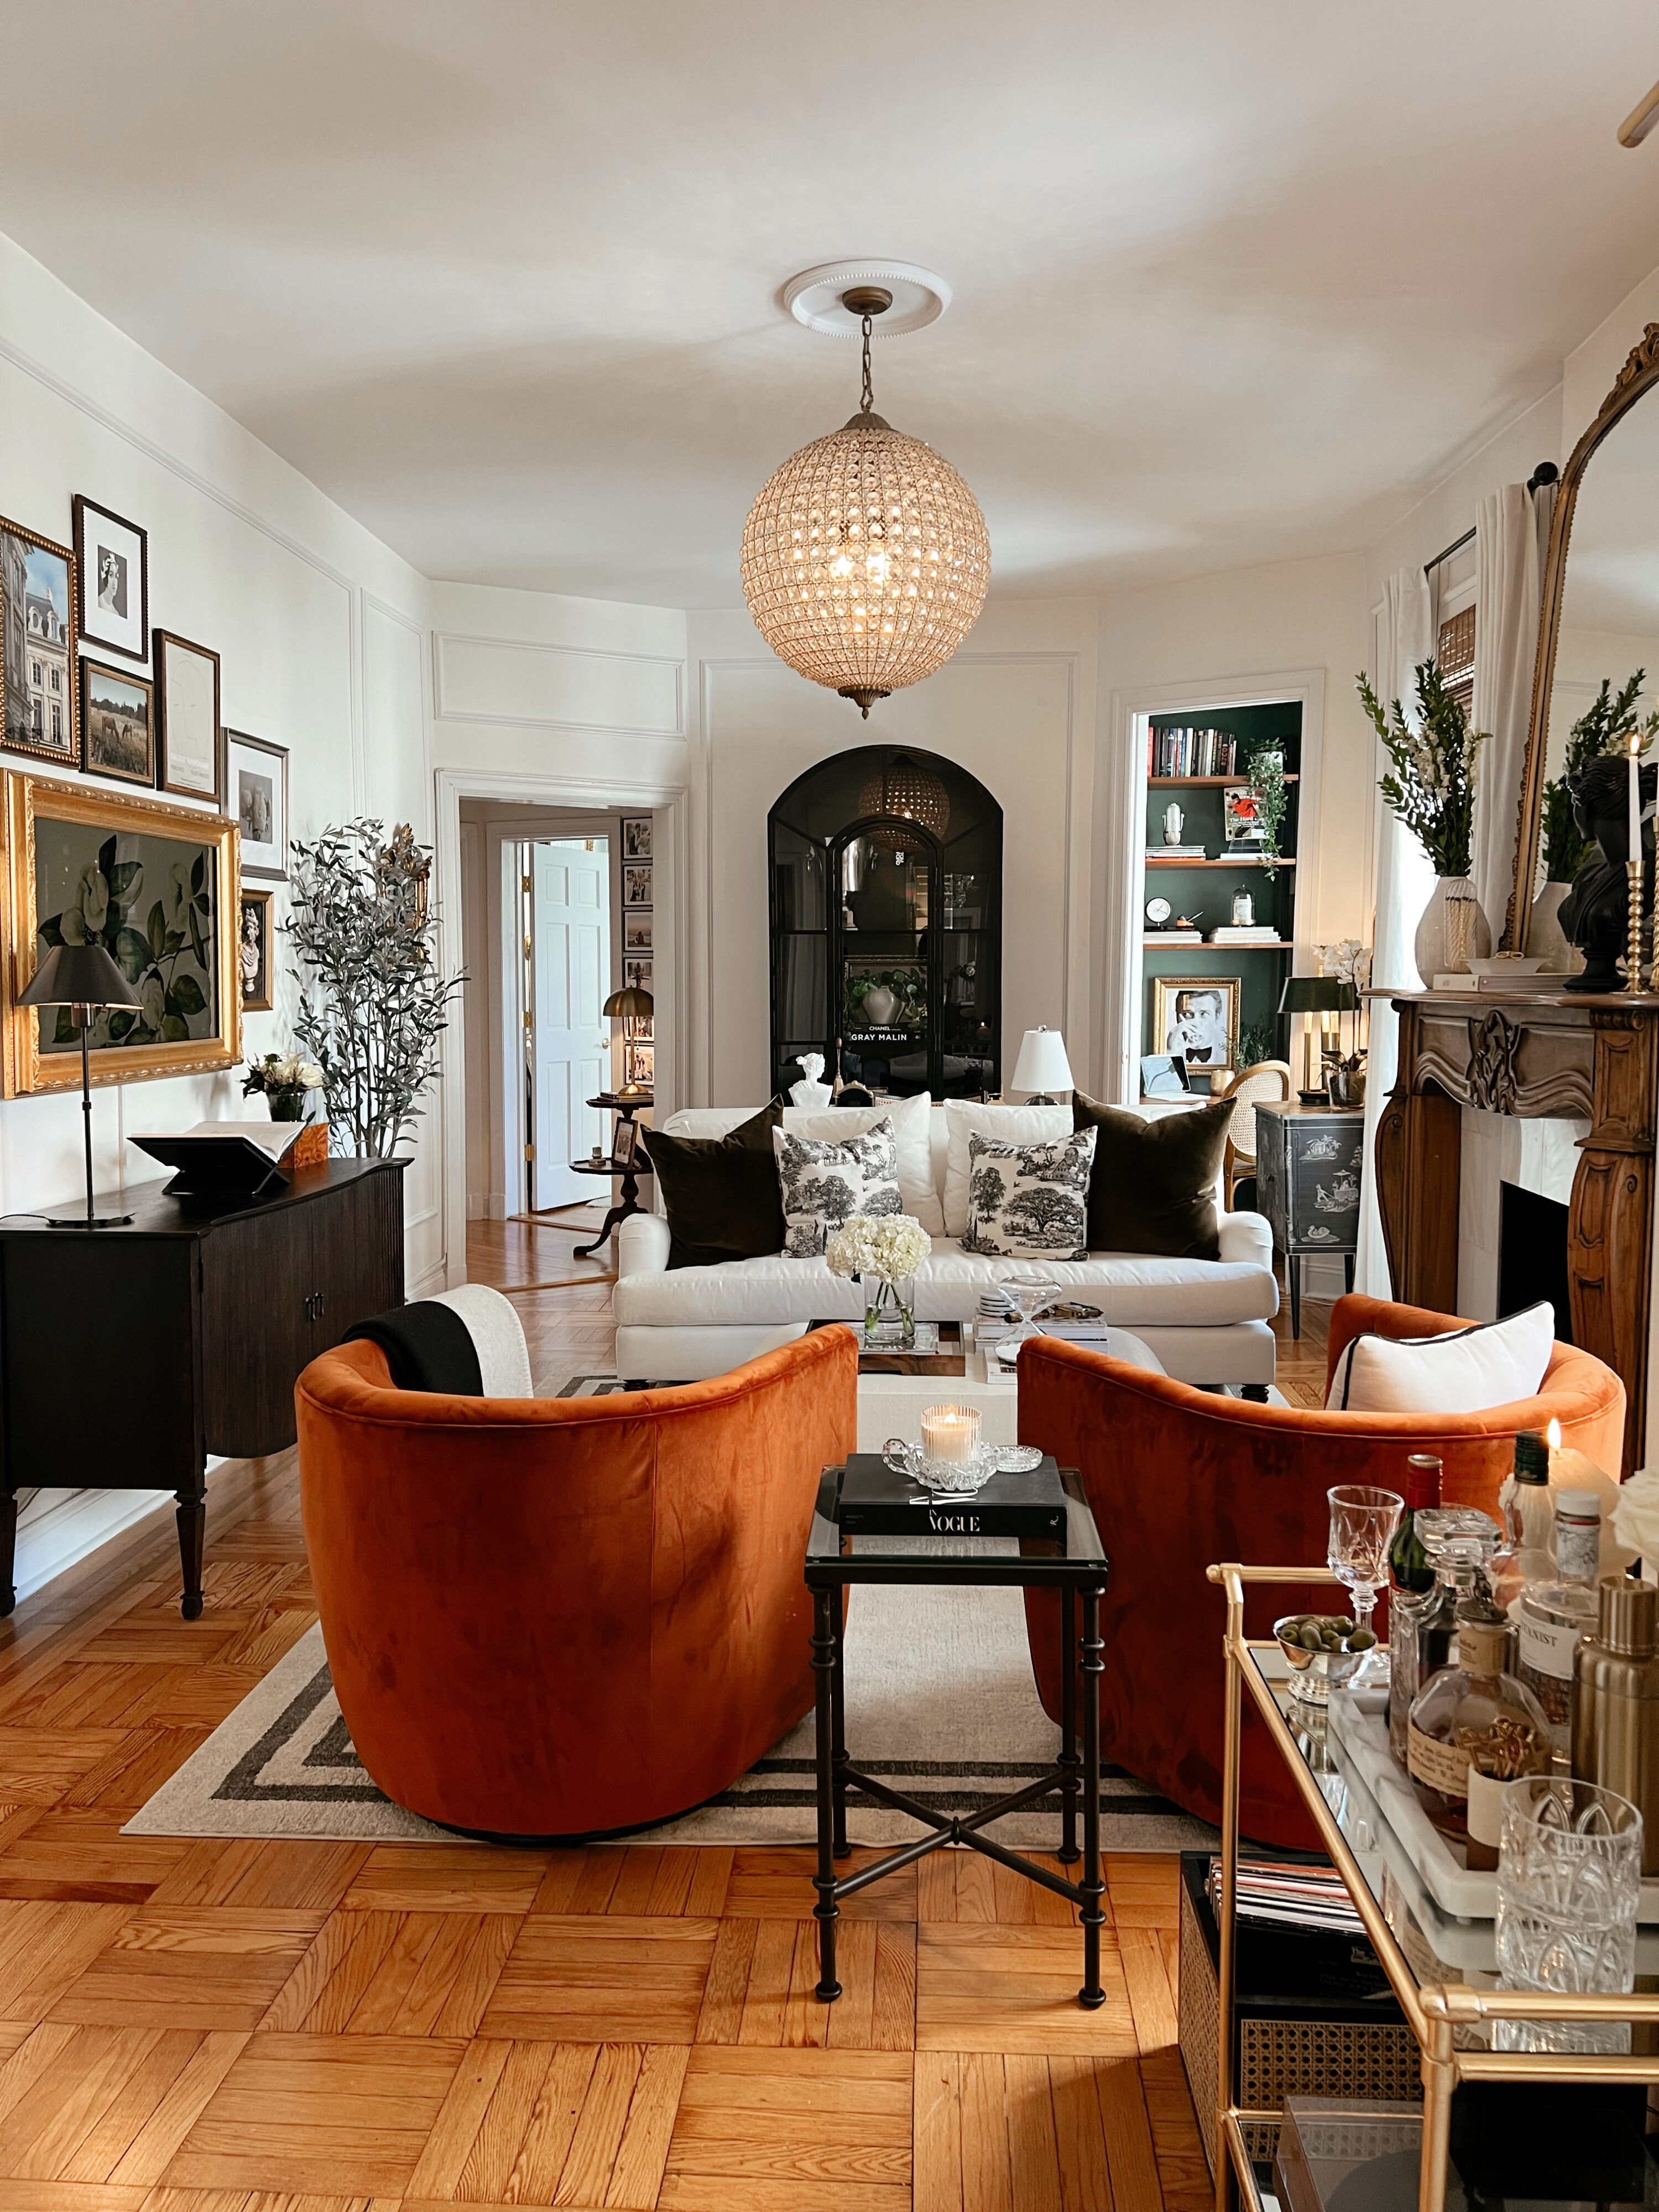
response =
{"points": [[880, 1005], [1453, 931], [1545, 935]]}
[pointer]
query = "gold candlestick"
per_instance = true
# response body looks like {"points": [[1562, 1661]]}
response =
{"points": [[1633, 927]]}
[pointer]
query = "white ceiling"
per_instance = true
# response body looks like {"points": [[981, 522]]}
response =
{"points": [[1232, 283]]}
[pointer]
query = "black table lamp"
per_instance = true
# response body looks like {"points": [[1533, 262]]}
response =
{"points": [[635, 1007], [1309, 995], [82, 977]]}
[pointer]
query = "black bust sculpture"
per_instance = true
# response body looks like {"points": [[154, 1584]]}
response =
{"points": [[1596, 912]]}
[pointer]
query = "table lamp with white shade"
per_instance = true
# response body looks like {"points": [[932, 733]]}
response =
{"points": [[1042, 1066]]}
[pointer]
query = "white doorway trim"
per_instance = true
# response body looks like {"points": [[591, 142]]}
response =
{"points": [[668, 802], [1123, 785]]}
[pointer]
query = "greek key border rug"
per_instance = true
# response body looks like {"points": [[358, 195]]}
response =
{"points": [[940, 1702]]}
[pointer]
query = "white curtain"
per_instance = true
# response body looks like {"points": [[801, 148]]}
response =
{"points": [[1507, 584], [1404, 877]]}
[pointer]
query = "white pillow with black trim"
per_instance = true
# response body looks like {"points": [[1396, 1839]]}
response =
{"points": [[1468, 1370], [824, 1185], [1028, 1201]]}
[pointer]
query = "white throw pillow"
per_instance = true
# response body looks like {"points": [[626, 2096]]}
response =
{"points": [[1003, 1125], [824, 1185], [1467, 1372], [910, 1118], [1028, 1201]]}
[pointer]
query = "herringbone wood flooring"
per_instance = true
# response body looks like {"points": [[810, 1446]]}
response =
{"points": [[246, 2026]]}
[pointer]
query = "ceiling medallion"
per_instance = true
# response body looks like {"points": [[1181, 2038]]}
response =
{"points": [[865, 559]]}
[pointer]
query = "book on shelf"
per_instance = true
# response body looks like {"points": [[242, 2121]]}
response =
{"points": [[1188, 752], [1175, 851], [1172, 937], [1236, 934]]}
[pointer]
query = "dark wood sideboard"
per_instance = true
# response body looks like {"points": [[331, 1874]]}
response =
{"points": [[1586, 1058], [127, 1355]]}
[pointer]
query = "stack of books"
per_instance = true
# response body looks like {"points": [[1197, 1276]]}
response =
{"points": [[1290, 1895], [1192, 935], [1232, 932], [1174, 852]]}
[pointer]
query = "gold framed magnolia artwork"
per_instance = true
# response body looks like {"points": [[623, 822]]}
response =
{"points": [[157, 886]]}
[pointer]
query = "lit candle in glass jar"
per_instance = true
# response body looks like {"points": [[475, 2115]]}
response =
{"points": [[949, 1434]]}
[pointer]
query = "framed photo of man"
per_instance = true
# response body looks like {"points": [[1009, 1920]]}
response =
{"points": [[111, 563], [1196, 1019], [256, 794], [187, 687], [40, 666]]}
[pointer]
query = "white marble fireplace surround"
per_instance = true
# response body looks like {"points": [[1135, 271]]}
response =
{"points": [[1540, 1156]]}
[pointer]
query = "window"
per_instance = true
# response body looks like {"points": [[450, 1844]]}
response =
{"points": [[34, 674], [1455, 654], [56, 724], [57, 679]]}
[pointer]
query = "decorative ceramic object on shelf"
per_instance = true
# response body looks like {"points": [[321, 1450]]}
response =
{"points": [[880, 1005], [1546, 935], [1452, 929], [1173, 819]]}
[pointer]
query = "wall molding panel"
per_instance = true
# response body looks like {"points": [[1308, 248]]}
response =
{"points": [[521, 684]]}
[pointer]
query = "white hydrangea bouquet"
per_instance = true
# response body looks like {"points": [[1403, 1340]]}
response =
{"points": [[884, 1252]]}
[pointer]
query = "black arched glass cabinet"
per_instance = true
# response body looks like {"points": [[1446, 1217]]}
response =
{"points": [[885, 867]]}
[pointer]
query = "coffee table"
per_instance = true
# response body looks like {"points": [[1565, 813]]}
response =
{"points": [[1075, 1565]]}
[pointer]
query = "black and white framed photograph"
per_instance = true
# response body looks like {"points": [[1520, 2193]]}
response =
{"points": [[256, 794], [254, 950], [38, 669], [636, 886], [118, 723], [637, 932], [112, 562], [636, 836], [640, 1066], [636, 975], [187, 691], [1196, 1018], [626, 1148]]}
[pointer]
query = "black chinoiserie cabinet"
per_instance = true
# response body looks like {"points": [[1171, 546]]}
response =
{"points": [[127, 1355], [886, 925], [1308, 1163]]}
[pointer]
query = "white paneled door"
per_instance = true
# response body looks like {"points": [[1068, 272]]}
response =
{"points": [[570, 967]]}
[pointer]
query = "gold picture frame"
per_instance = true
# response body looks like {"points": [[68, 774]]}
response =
{"points": [[168, 908], [1181, 1009]]}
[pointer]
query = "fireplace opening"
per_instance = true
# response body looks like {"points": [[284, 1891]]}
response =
{"points": [[1531, 1256]]}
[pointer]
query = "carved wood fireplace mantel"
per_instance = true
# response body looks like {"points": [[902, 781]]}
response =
{"points": [[1594, 1059]]}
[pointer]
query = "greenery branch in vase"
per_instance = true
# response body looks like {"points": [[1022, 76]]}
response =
{"points": [[884, 1252], [374, 1002], [1430, 785], [285, 1081]]}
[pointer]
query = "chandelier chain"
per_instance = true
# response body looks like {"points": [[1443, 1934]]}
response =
{"points": [[868, 402]]}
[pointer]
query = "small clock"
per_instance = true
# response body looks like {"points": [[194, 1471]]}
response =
{"points": [[1158, 911]]}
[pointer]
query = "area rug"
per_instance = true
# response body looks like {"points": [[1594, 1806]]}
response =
{"points": [[940, 1704]]}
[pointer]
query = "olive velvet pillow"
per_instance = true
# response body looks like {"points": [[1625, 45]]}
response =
{"points": [[720, 1193], [1153, 1183]]}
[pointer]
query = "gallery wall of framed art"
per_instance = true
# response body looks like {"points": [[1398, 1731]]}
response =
{"points": [[639, 873]]}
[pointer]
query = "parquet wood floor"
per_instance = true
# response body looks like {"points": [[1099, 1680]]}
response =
{"points": [[271, 2026]]}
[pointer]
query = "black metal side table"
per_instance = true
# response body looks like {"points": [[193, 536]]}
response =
{"points": [[953, 1546]]}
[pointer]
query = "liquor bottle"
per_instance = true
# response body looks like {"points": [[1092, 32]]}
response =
{"points": [[1615, 1723], [1472, 1728], [1411, 1579], [1525, 1500], [1457, 1541], [1553, 1617]]}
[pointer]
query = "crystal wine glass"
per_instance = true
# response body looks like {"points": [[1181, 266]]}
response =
{"points": [[1363, 1523], [1029, 1292]]}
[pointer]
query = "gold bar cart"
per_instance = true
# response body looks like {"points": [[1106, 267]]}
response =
{"points": [[1434, 2011]]}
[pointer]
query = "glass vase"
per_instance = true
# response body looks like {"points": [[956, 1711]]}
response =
{"points": [[889, 1312], [287, 1105]]}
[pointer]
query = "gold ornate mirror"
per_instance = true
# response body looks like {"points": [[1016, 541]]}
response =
{"points": [[1599, 615]]}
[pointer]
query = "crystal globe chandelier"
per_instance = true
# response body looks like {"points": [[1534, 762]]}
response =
{"points": [[905, 791], [864, 558]]}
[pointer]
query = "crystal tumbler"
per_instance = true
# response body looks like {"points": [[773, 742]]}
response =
{"points": [[1569, 1878]]}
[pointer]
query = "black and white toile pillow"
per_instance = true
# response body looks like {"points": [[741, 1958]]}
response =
{"points": [[1028, 1201], [824, 1184]]}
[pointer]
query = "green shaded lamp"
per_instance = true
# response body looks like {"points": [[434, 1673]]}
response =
{"points": [[82, 977], [1309, 995]]}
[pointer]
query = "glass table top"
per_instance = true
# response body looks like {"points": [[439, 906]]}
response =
{"points": [[939, 1533]]}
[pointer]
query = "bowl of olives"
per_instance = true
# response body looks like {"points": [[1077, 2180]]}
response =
{"points": [[1323, 1649]]}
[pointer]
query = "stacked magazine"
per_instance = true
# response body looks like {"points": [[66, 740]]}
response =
{"points": [[1290, 1895]]}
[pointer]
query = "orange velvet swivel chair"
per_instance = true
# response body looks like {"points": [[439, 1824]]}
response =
{"points": [[1178, 1478], [567, 1617]]}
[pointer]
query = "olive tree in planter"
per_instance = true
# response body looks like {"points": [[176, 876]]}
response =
{"points": [[373, 1003]]}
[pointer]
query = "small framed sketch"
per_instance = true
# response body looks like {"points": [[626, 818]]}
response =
{"points": [[1196, 1018], [111, 563], [256, 794], [1240, 815], [640, 1066], [637, 931], [254, 950], [187, 692], [636, 886], [118, 724], [39, 669], [636, 836], [637, 974]]}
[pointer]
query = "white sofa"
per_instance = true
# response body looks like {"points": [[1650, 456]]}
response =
{"points": [[1207, 1320]]}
